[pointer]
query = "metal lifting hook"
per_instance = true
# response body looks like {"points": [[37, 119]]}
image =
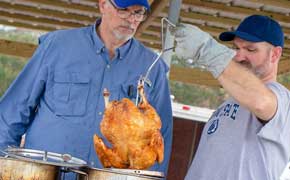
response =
{"points": [[145, 78]]}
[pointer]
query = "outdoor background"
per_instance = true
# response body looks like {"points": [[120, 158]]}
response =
{"points": [[201, 96]]}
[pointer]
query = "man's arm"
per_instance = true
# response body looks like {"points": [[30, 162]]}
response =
{"points": [[248, 90], [243, 85], [19, 103]]}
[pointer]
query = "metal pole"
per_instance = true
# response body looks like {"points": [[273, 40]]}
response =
{"points": [[173, 16]]}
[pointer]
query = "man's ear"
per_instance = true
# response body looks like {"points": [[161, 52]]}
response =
{"points": [[102, 5], [277, 53]]}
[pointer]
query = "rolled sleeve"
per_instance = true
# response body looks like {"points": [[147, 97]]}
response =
{"points": [[277, 129]]}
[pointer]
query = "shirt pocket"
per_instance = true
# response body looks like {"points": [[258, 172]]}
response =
{"points": [[70, 93]]}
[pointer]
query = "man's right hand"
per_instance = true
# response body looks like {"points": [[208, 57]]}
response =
{"points": [[204, 51]]}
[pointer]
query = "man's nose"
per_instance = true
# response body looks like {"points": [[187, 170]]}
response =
{"points": [[239, 56]]}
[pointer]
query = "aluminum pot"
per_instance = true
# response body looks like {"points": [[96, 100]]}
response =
{"points": [[14, 169], [120, 174], [29, 164]]}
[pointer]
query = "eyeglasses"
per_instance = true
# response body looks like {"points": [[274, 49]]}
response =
{"points": [[139, 15]]}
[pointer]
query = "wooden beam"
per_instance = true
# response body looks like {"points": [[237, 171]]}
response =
{"points": [[224, 7], [26, 49], [154, 29], [68, 5], [215, 23], [38, 20], [17, 48], [192, 76], [156, 7], [61, 19], [153, 46], [207, 18], [25, 25], [50, 14], [197, 77], [277, 3], [150, 39]]}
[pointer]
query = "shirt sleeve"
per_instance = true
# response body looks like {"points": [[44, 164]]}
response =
{"points": [[277, 129], [162, 103], [19, 103]]}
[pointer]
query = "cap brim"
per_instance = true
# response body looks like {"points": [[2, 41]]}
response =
{"points": [[229, 36], [126, 4]]}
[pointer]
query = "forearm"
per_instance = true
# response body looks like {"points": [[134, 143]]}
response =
{"points": [[248, 90], [14, 117], [19, 103], [6, 138]]}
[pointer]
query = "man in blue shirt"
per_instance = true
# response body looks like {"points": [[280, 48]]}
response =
{"points": [[57, 99]]}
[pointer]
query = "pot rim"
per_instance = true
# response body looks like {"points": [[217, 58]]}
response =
{"points": [[44, 157], [132, 172]]}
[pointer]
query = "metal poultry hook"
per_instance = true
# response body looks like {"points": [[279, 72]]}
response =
{"points": [[145, 78]]}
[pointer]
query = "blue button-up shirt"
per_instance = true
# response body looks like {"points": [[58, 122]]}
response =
{"points": [[57, 99]]}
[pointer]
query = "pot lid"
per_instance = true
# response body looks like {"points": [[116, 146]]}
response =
{"points": [[44, 157]]}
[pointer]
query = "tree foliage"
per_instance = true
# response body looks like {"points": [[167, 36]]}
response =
{"points": [[9, 68]]}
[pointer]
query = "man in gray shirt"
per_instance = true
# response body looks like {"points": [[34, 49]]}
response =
{"points": [[248, 136]]}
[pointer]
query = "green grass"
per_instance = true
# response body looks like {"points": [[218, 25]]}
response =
{"points": [[9, 68]]}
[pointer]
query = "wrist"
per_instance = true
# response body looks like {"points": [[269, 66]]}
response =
{"points": [[220, 62], [217, 57]]}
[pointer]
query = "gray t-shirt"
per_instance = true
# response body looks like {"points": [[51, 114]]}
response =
{"points": [[236, 146]]}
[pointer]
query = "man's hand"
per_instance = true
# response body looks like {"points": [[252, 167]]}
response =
{"points": [[203, 50]]}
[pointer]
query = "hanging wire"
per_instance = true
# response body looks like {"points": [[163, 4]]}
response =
{"points": [[144, 79]]}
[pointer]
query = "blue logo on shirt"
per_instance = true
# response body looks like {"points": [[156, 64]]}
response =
{"points": [[213, 127]]}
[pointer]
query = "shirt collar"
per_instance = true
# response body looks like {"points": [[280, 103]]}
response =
{"points": [[121, 52], [96, 39], [124, 49]]}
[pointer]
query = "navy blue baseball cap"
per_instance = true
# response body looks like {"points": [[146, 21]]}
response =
{"points": [[257, 28], [127, 3]]}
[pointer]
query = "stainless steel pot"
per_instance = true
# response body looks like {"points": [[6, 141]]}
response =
{"points": [[120, 174], [14, 169], [28, 164]]}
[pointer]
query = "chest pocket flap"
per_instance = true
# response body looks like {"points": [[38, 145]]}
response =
{"points": [[70, 93]]}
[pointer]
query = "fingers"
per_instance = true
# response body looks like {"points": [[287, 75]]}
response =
{"points": [[180, 31], [179, 52], [177, 31]]}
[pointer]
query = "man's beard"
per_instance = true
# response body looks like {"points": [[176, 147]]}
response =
{"points": [[123, 37], [258, 71]]}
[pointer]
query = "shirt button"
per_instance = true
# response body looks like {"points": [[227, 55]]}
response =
{"points": [[100, 113], [108, 66], [92, 163]]}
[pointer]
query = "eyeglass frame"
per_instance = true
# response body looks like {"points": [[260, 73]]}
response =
{"points": [[124, 14]]}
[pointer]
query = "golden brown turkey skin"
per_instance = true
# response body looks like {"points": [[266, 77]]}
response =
{"points": [[134, 133]]}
